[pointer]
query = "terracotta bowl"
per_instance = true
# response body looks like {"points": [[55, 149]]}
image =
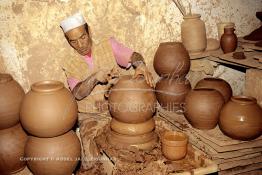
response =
{"points": [[174, 145], [241, 118], [132, 129]]}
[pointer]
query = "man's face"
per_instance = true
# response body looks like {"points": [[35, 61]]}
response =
{"points": [[79, 39]]}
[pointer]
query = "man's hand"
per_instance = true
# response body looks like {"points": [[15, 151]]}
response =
{"points": [[103, 76], [142, 70]]}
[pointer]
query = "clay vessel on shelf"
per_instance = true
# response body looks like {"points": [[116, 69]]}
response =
{"points": [[171, 93], [132, 129], [48, 109], [212, 44], [12, 144], [174, 145], [218, 84], [202, 108], [193, 34], [172, 60], [132, 100], [221, 27], [11, 95], [241, 118], [228, 40], [57, 155]]}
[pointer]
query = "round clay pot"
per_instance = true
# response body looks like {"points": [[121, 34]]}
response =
{"points": [[12, 144], [172, 60], [148, 145], [48, 109], [53, 156], [174, 145], [202, 108], [193, 34], [11, 95], [221, 27], [241, 118], [218, 84], [132, 100], [171, 93], [228, 40], [212, 44], [132, 129]]}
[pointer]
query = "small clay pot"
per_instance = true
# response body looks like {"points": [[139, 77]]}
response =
{"points": [[171, 59], [132, 129], [171, 93], [11, 95], [202, 108], [221, 28], [228, 40], [218, 84], [146, 146], [174, 145], [12, 144], [48, 109], [132, 100], [53, 156], [241, 118]]}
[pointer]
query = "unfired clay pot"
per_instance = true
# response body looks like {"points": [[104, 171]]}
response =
{"points": [[132, 100], [202, 108], [12, 144], [132, 129], [143, 142], [228, 40], [193, 34], [174, 145], [48, 109], [171, 93], [172, 60], [218, 84], [55, 156], [11, 95], [241, 118]]}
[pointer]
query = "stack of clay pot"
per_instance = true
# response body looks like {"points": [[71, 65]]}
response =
{"points": [[204, 103], [172, 63], [12, 136], [48, 113], [132, 105]]}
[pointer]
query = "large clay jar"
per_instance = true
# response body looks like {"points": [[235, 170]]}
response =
{"points": [[48, 109], [12, 144], [53, 156], [11, 95], [202, 108], [171, 93], [218, 84], [228, 40], [241, 118], [132, 100], [172, 60], [193, 34]]}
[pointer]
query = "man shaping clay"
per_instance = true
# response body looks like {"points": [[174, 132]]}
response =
{"points": [[88, 74]]}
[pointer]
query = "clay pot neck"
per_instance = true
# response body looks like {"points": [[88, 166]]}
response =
{"points": [[193, 16], [4, 78], [244, 100], [229, 30], [47, 86]]}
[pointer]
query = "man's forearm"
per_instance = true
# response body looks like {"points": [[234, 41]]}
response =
{"points": [[84, 88], [137, 59]]}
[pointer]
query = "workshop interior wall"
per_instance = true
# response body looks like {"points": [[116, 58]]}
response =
{"points": [[33, 47]]}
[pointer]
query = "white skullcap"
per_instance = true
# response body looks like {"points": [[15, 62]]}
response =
{"points": [[72, 22]]}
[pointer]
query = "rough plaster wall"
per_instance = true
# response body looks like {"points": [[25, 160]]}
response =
{"points": [[32, 45]]}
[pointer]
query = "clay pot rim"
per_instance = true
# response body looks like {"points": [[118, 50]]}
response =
{"points": [[227, 23], [204, 89], [213, 79], [192, 16], [171, 43], [242, 99], [5, 78], [174, 142], [41, 86]]}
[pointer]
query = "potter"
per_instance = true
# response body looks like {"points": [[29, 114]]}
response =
{"points": [[87, 75]]}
